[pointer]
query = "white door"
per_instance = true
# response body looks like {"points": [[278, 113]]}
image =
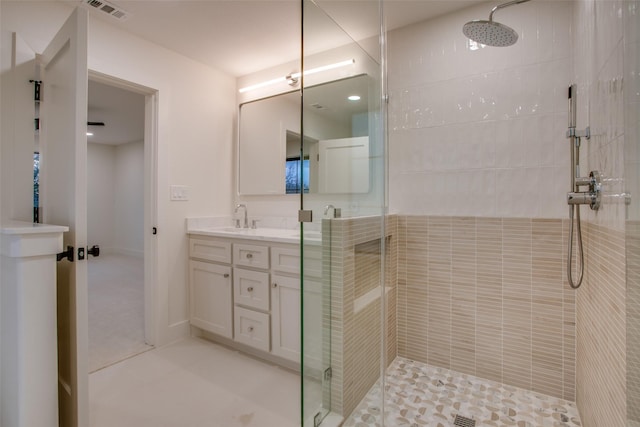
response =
{"points": [[64, 198], [343, 165]]}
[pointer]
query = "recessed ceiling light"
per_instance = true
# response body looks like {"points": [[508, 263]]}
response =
{"points": [[89, 134], [354, 98]]}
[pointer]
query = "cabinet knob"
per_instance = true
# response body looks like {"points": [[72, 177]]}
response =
{"points": [[250, 289], [249, 256], [225, 275], [250, 328], [275, 285]]}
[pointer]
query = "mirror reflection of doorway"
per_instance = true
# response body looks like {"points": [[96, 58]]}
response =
{"points": [[115, 222]]}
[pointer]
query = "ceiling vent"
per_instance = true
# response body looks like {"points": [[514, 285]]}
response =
{"points": [[109, 8]]}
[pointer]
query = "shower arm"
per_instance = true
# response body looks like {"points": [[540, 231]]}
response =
{"points": [[502, 6]]}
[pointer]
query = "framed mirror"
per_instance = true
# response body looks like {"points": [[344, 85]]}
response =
{"points": [[336, 143]]}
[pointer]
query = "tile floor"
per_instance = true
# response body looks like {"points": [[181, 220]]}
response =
{"points": [[422, 395], [116, 309], [194, 383]]}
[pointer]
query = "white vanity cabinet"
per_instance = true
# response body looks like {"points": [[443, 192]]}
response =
{"points": [[249, 291]]}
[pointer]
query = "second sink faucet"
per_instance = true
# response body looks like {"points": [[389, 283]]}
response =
{"points": [[337, 212], [246, 221]]}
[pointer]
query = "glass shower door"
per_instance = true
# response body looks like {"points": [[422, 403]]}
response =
{"points": [[342, 178]]}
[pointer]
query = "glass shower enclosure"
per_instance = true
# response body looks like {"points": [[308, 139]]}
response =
{"points": [[343, 212]]}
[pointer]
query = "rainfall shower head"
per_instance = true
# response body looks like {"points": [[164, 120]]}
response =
{"points": [[492, 33]]}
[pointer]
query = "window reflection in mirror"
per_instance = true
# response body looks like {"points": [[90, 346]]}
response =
{"points": [[269, 149], [297, 170]]}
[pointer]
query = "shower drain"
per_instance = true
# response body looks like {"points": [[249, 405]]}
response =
{"points": [[461, 421]]}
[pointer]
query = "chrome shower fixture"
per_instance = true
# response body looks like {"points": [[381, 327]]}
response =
{"points": [[492, 33], [592, 197], [575, 197]]}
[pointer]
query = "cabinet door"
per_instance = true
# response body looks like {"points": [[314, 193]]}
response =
{"points": [[285, 317], [211, 297]]}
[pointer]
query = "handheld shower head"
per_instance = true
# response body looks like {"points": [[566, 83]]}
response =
{"points": [[492, 33]]}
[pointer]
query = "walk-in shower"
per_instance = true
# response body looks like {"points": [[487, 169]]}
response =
{"points": [[452, 307], [491, 33]]}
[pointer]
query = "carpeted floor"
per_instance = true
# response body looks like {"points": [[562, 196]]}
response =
{"points": [[116, 309]]}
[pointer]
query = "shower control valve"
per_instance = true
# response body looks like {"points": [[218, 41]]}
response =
{"points": [[592, 197], [573, 132]]}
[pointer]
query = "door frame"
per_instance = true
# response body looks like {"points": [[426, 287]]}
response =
{"points": [[150, 194]]}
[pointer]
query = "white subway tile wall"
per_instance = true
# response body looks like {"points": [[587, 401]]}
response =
{"points": [[476, 130]]}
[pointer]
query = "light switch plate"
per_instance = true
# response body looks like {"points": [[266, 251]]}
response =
{"points": [[179, 193]]}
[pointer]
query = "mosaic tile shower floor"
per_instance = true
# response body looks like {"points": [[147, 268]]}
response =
{"points": [[419, 395]]}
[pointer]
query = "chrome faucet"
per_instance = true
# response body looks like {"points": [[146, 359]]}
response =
{"points": [[337, 213], [246, 221]]}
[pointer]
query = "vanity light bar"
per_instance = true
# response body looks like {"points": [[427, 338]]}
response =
{"points": [[263, 84], [325, 68], [297, 75]]}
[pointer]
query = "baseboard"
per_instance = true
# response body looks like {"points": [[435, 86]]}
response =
{"points": [[250, 351], [177, 331]]}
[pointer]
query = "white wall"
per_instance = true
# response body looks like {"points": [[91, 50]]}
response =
{"points": [[129, 198], [196, 113], [18, 134], [116, 197], [481, 132], [101, 196]]}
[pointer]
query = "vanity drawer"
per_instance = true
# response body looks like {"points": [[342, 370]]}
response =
{"points": [[251, 288], [210, 250], [287, 260], [251, 255], [252, 328]]}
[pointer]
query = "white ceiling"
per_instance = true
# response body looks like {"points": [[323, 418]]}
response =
{"points": [[121, 111], [238, 37]]}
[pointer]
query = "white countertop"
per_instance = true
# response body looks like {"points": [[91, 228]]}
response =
{"points": [[23, 227], [266, 234]]}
